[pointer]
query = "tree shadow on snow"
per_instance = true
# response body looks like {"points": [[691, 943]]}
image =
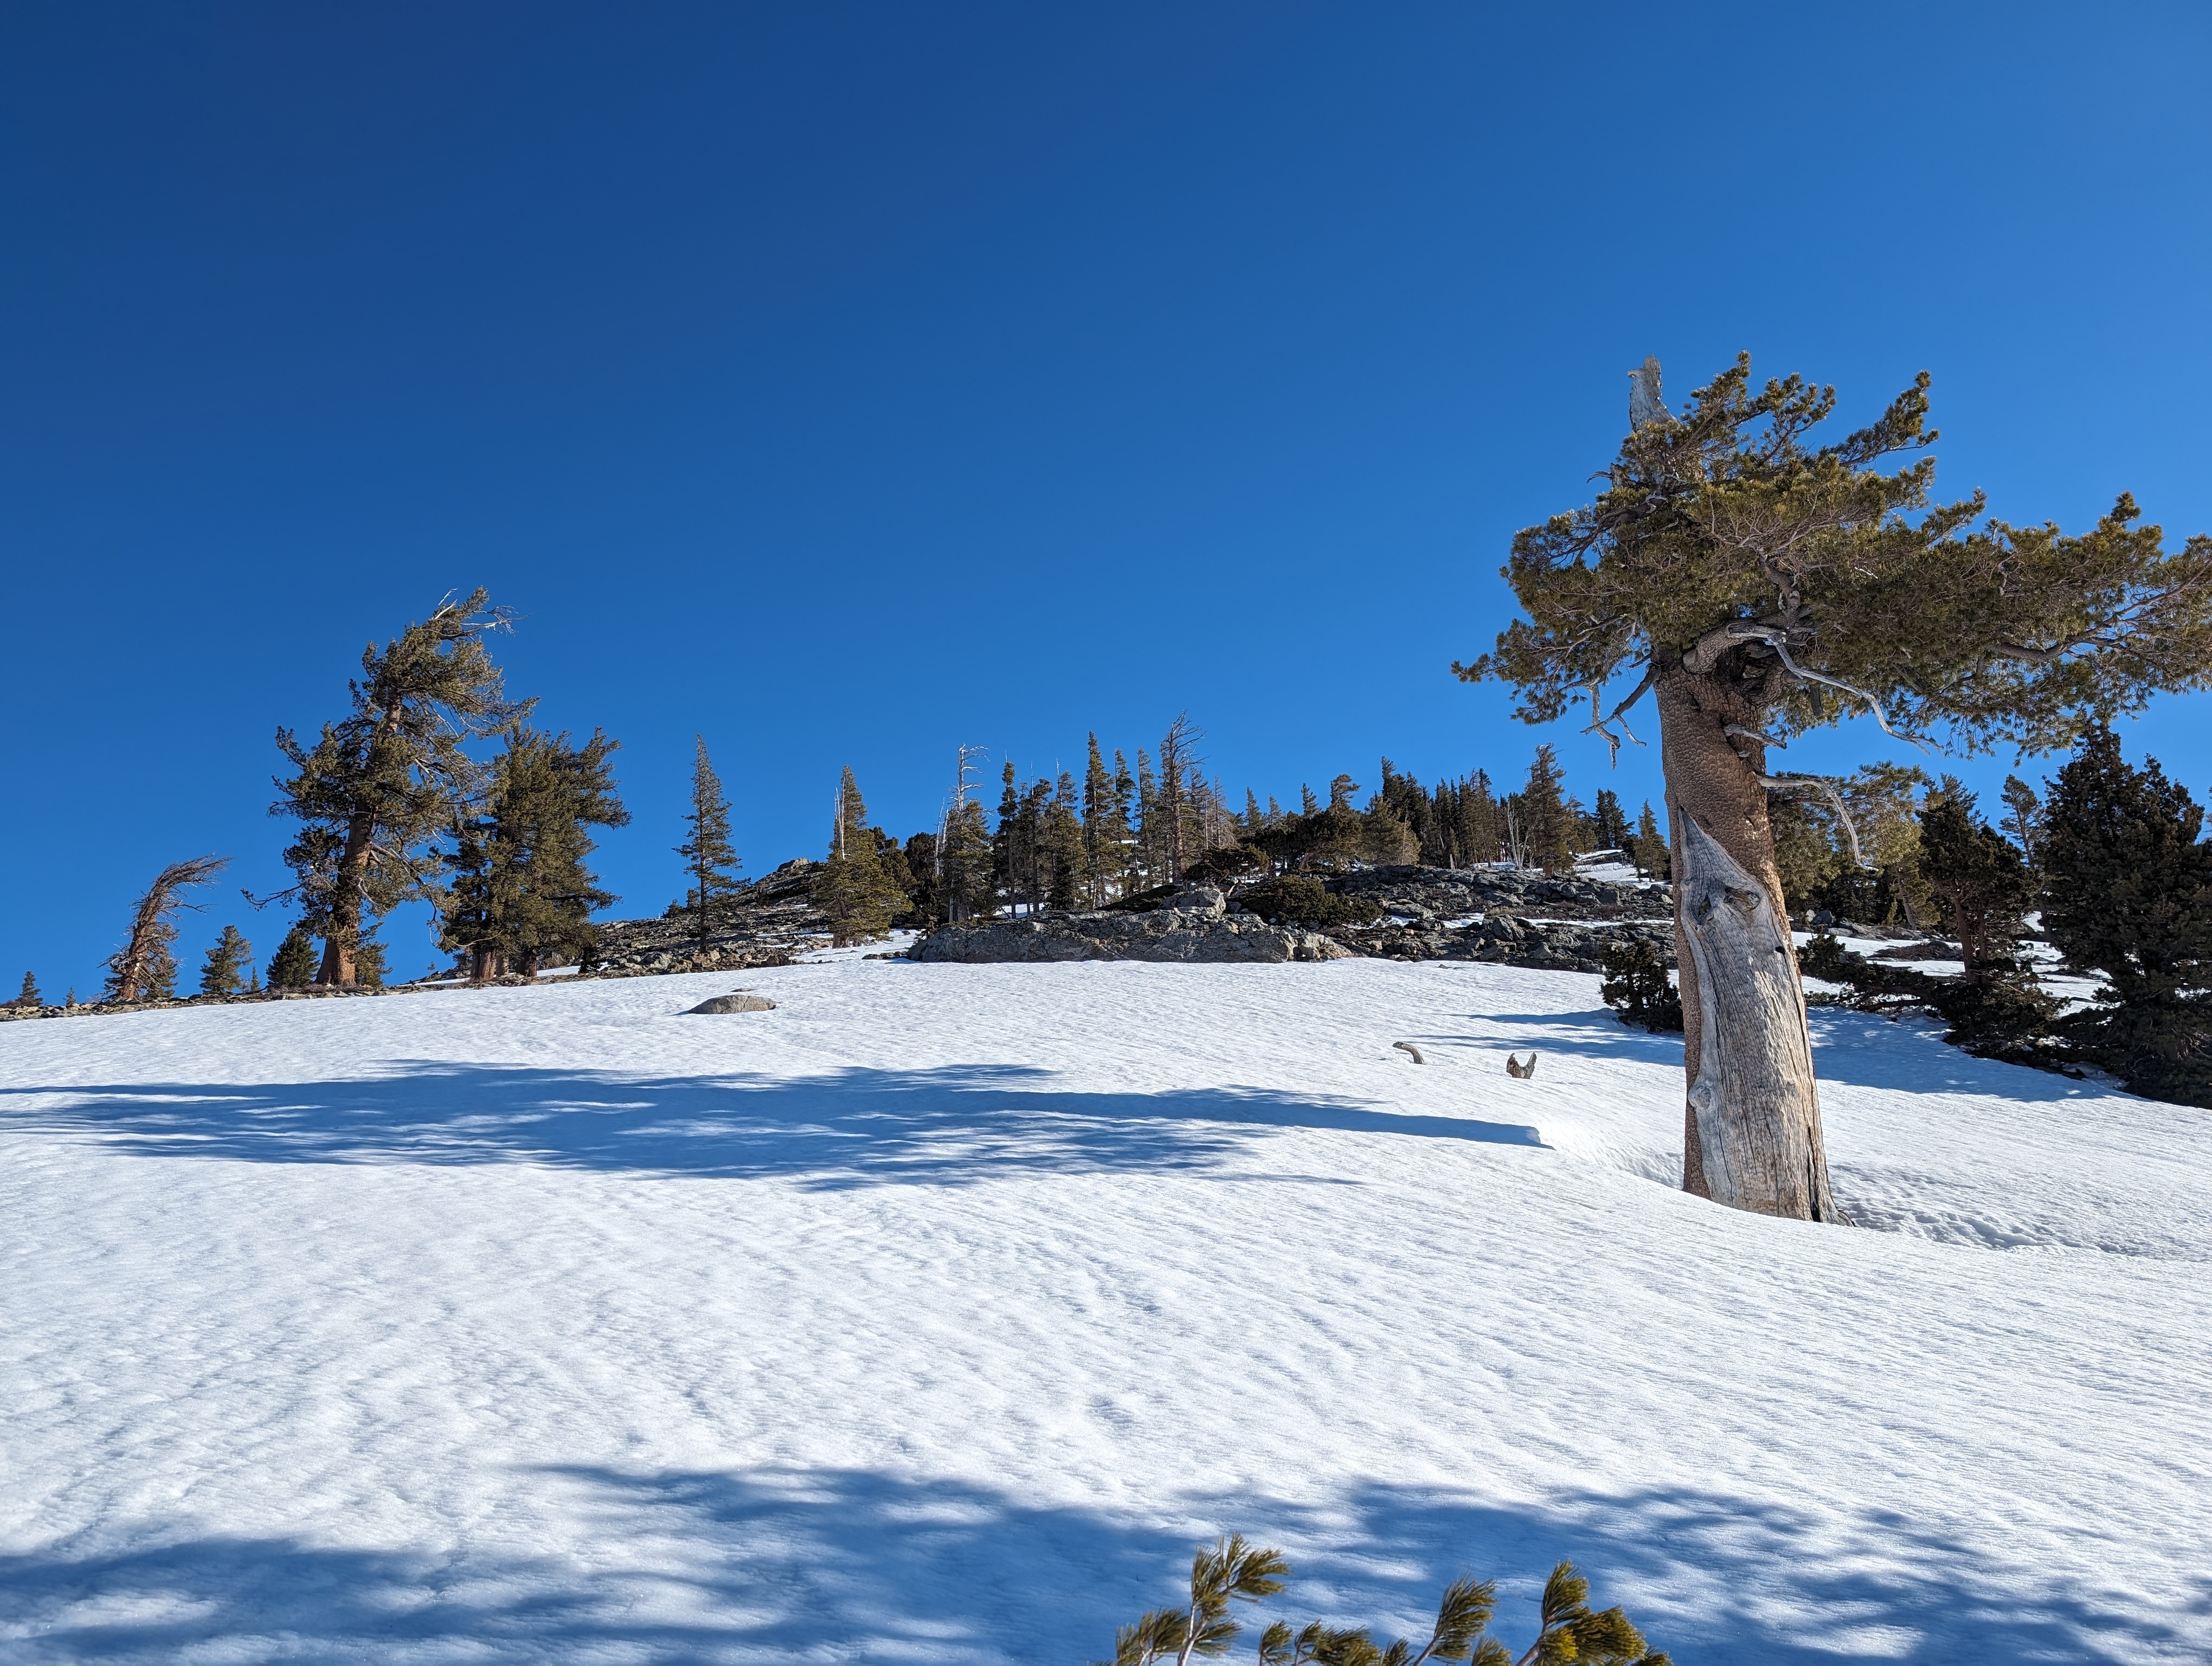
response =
{"points": [[856, 1127], [781, 1565]]}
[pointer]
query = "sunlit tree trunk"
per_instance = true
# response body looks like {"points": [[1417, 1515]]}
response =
{"points": [[1752, 1125]]}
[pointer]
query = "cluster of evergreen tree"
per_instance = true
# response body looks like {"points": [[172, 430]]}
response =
{"points": [[1125, 830], [391, 808], [2115, 861]]}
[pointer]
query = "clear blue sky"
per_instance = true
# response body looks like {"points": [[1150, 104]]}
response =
{"points": [[846, 382]]}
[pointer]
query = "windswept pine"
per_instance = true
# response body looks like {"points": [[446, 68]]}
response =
{"points": [[1760, 584], [145, 967], [379, 787]]}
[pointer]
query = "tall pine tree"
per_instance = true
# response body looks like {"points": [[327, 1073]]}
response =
{"points": [[379, 787], [854, 890], [522, 897], [710, 860]]}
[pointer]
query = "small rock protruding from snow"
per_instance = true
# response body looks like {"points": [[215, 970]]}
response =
{"points": [[735, 1003]]}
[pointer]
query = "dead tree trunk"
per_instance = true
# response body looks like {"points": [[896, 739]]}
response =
{"points": [[1752, 1126]]}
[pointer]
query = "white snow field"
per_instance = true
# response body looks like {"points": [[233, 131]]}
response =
{"points": [[937, 1314]]}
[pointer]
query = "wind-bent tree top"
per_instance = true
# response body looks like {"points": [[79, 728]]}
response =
{"points": [[1724, 539]]}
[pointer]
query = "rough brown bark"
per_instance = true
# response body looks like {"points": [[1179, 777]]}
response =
{"points": [[1752, 1121]]}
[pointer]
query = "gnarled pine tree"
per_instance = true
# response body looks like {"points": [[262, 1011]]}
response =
{"points": [[145, 967], [1759, 584], [374, 792]]}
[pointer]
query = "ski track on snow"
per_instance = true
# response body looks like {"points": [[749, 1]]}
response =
{"points": [[936, 1315]]}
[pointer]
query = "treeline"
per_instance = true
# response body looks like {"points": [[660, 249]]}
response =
{"points": [[390, 804], [1126, 830]]}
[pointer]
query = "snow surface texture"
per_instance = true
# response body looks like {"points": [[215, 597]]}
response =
{"points": [[936, 1315]]}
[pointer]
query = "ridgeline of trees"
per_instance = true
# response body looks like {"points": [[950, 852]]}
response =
{"points": [[390, 808]]}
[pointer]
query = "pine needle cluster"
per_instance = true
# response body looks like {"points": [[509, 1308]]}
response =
{"points": [[1569, 1630]]}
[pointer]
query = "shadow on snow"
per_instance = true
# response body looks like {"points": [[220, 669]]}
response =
{"points": [[853, 1127], [782, 1564]]}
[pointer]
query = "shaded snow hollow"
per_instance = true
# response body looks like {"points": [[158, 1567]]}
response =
{"points": [[935, 1316]]}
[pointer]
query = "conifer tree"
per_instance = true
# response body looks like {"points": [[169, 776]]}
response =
{"points": [[1308, 804], [1101, 840], [1150, 857], [1179, 760], [145, 967], [1608, 824], [224, 971], [710, 861], [1006, 840], [1123, 827], [293, 966], [2022, 824], [1544, 821], [1651, 848], [522, 896], [1761, 584], [29, 995], [924, 895], [853, 890], [369, 966], [2128, 893], [379, 787], [1067, 867]]}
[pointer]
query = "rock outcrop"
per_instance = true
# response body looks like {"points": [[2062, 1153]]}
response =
{"points": [[773, 919], [1196, 927]]}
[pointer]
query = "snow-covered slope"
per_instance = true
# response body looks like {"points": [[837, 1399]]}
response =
{"points": [[937, 1314]]}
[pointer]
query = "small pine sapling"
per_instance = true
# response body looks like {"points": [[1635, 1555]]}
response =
{"points": [[1637, 987], [294, 968], [224, 972], [1568, 1630], [30, 996]]}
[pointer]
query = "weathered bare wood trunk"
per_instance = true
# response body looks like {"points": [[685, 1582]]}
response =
{"points": [[1752, 1125]]}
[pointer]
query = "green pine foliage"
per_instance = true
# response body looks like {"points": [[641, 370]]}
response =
{"points": [[861, 899], [1232, 1571], [710, 860], [29, 995], [294, 965], [369, 964], [925, 882], [1541, 824], [1637, 986], [225, 968], [2128, 893], [1651, 857], [1297, 899], [522, 895], [377, 790]]}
